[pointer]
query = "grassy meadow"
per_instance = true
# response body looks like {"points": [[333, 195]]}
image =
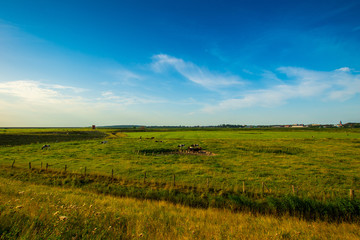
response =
{"points": [[318, 163], [297, 176]]}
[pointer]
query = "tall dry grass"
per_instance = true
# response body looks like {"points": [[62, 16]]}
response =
{"points": [[29, 211]]}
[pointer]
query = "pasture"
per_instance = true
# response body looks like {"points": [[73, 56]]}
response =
{"points": [[304, 173], [318, 163]]}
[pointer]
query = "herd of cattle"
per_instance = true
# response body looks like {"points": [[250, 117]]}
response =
{"points": [[191, 148]]}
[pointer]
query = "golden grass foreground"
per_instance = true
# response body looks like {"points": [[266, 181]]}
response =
{"points": [[29, 211]]}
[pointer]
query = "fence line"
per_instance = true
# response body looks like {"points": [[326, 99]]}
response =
{"points": [[262, 192]]}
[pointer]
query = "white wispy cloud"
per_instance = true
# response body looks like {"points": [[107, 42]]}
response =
{"points": [[33, 103], [127, 99], [41, 104], [38, 93], [125, 76], [343, 69], [337, 85], [28, 90], [194, 73], [346, 84], [57, 86]]}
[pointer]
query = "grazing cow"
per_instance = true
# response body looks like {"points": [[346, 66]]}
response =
{"points": [[194, 149], [194, 145], [103, 142], [181, 145], [45, 146]]}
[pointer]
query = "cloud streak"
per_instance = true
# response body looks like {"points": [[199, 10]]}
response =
{"points": [[31, 91], [125, 99], [37, 93], [338, 85], [194, 73]]}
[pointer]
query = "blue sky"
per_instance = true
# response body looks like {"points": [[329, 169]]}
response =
{"points": [[77, 63]]}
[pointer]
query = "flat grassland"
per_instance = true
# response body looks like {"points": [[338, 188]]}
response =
{"points": [[291, 179]]}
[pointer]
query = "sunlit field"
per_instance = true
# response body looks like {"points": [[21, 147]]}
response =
{"points": [[316, 162], [31, 211]]}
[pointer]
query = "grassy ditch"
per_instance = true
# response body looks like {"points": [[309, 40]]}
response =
{"points": [[14, 138]]}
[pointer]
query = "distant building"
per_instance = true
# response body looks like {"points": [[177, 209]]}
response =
{"points": [[93, 126]]}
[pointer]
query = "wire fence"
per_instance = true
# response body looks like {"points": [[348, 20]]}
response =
{"points": [[252, 188]]}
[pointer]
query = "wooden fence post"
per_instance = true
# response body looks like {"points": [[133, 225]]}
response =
{"points": [[12, 165], [29, 165], [85, 171], [112, 174], [207, 182], [267, 189], [47, 165], [352, 194], [65, 168], [293, 189], [243, 186], [144, 177], [262, 188], [174, 180]]}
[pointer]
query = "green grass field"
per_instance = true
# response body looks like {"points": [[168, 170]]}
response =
{"points": [[319, 165], [316, 162]]}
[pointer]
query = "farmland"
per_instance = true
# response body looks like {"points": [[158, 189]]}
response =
{"points": [[300, 175]]}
